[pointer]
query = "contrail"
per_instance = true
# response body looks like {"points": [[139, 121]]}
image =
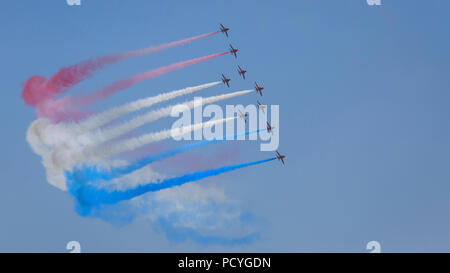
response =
{"points": [[103, 135], [68, 107], [89, 195], [93, 173], [37, 88]]}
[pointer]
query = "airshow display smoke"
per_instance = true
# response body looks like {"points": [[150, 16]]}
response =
{"points": [[91, 195], [71, 107], [96, 173], [38, 88], [82, 151]]}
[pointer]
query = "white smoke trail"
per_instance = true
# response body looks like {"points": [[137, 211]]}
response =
{"points": [[60, 152], [102, 135], [136, 142], [34, 136], [55, 172], [64, 158], [103, 118], [54, 134]]}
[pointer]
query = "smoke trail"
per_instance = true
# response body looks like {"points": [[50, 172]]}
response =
{"points": [[88, 195], [65, 157], [103, 135], [37, 88], [69, 107], [126, 83], [106, 116], [60, 132], [201, 214], [94, 173], [148, 50], [134, 143], [180, 234]]}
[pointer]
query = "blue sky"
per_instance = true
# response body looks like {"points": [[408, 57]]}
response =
{"points": [[363, 94]]}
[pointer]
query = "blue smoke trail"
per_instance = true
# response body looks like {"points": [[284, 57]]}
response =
{"points": [[93, 173], [123, 213], [88, 195], [181, 234]]}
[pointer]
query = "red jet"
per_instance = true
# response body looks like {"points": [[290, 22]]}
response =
{"points": [[258, 88], [224, 29], [225, 80], [261, 107], [269, 128], [243, 116], [233, 50], [280, 157], [241, 72]]}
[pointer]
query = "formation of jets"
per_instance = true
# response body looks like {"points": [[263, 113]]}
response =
{"points": [[258, 89]]}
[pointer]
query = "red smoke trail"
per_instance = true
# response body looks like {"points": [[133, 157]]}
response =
{"points": [[60, 110], [69, 108], [126, 83], [38, 88], [148, 50]]}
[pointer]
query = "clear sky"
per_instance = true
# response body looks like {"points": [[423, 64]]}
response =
{"points": [[364, 117]]}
